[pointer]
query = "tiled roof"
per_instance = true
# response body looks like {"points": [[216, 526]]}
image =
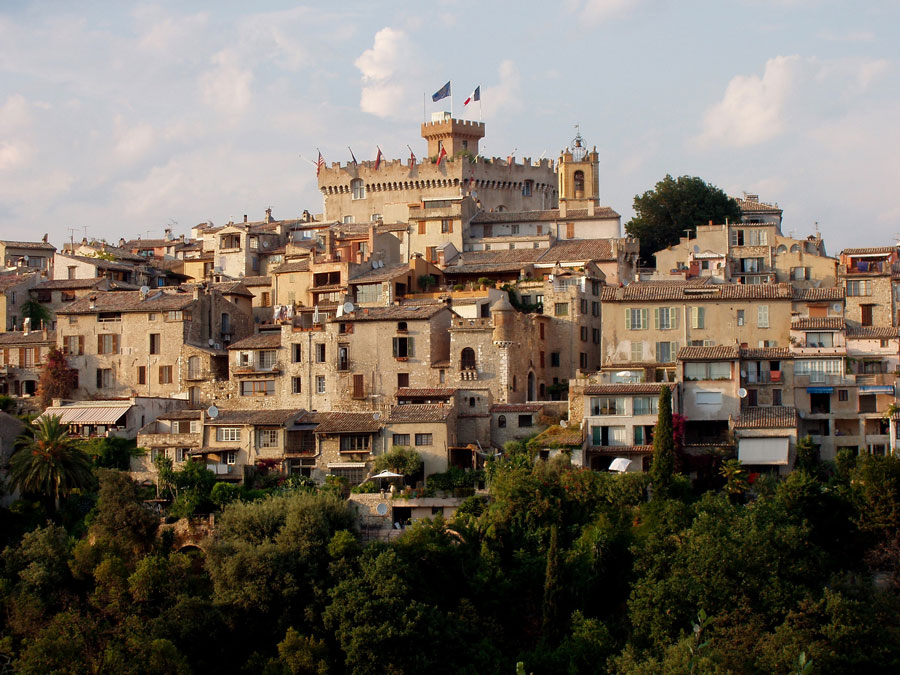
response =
{"points": [[617, 450], [579, 250], [886, 250], [10, 280], [100, 262], [347, 422], [818, 323], [420, 412], [623, 388], [181, 415], [873, 333], [516, 255], [557, 435], [516, 408], [257, 281], [295, 266], [403, 313], [634, 365], [814, 294], [716, 353], [601, 212], [68, 284], [683, 292], [750, 205], [766, 353], [42, 245], [149, 243], [257, 417], [18, 337], [773, 417], [380, 274], [128, 301], [408, 392], [267, 340], [232, 288]]}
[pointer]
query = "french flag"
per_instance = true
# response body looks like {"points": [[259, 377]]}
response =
{"points": [[474, 96]]}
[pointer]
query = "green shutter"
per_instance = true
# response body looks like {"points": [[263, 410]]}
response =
{"points": [[628, 319], [656, 318], [395, 347], [673, 317], [410, 351], [644, 320]]}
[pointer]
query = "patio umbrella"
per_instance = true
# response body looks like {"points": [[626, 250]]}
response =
{"points": [[388, 474], [620, 464]]}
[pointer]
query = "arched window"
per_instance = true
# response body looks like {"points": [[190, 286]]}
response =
{"points": [[467, 359], [579, 183], [501, 421], [401, 326], [358, 188], [531, 387], [795, 248], [781, 249]]}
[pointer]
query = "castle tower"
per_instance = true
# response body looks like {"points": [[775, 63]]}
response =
{"points": [[503, 315], [456, 136], [579, 180]]}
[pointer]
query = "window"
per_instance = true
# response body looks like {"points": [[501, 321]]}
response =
{"points": [[231, 458], [885, 343], [698, 317], [800, 273], [320, 384], [296, 385], [635, 319], [665, 351], [595, 336], [561, 309], [527, 188], [843, 395], [707, 371], [104, 378], [762, 316], [643, 435], [182, 454], [820, 339], [258, 388], [245, 359], [501, 421], [403, 347], [541, 330], [422, 227], [595, 287], [358, 188], [154, 343], [359, 386], [645, 405], [267, 438], [467, 359], [142, 375], [776, 397], [665, 318], [583, 361], [354, 475], [343, 362], [607, 405], [817, 369], [584, 333], [74, 345], [400, 439], [320, 352], [595, 308], [228, 434], [446, 225], [525, 421], [637, 351], [355, 443], [107, 344], [583, 305], [424, 439], [740, 317], [859, 287], [265, 299], [865, 315], [708, 398], [737, 237], [175, 315]]}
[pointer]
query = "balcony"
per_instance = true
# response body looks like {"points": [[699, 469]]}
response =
{"points": [[468, 375], [764, 377], [258, 369], [866, 267]]}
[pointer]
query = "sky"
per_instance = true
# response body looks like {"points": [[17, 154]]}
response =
{"points": [[119, 119]]}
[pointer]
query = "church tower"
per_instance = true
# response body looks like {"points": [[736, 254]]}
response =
{"points": [[579, 181]]}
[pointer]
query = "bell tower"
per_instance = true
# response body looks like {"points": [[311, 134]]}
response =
{"points": [[579, 181]]}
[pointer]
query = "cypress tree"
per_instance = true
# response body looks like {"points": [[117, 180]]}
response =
{"points": [[663, 467]]}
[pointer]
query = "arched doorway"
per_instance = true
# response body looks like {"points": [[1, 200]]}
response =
{"points": [[530, 386]]}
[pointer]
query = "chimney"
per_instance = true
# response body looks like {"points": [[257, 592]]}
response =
{"points": [[269, 215], [44, 331], [245, 217], [168, 234], [26, 325], [44, 239], [93, 303]]}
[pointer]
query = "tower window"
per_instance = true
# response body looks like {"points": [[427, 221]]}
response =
{"points": [[358, 188], [579, 183]]}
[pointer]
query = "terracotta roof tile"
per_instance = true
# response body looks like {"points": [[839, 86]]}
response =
{"points": [[10, 280], [603, 212], [766, 353], [516, 408], [100, 262], [37, 245], [18, 337], [420, 412], [395, 313], [257, 281], [347, 422], [579, 250], [267, 340], [818, 323], [873, 333], [751, 205], [408, 392], [128, 301], [716, 353], [380, 274], [773, 417], [886, 250], [294, 266], [624, 388], [68, 284], [617, 450], [818, 294], [255, 417], [682, 292]]}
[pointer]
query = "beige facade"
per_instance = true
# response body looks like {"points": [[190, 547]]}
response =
{"points": [[27, 256], [22, 355], [14, 292]]}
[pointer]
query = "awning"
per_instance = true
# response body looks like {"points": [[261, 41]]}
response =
{"points": [[820, 390], [773, 450], [212, 451], [876, 389], [86, 414], [346, 465]]}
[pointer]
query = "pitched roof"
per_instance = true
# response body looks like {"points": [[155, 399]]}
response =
{"points": [[408, 392], [10, 280], [814, 294], [516, 408], [395, 313], [766, 353], [268, 340], [772, 417], [255, 417], [150, 243], [557, 435], [42, 245], [181, 415], [715, 353], [380, 274], [18, 337], [68, 284], [873, 333], [626, 388], [294, 266], [818, 323], [99, 262], [679, 291], [128, 301], [347, 422], [232, 288], [617, 450], [600, 212], [420, 412], [749, 205], [257, 281], [579, 250], [886, 250]]}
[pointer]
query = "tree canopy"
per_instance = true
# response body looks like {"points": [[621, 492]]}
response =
{"points": [[662, 215]]}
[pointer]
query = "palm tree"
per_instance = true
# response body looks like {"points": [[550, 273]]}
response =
{"points": [[48, 462]]}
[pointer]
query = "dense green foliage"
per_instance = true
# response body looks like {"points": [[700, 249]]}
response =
{"points": [[563, 570], [662, 215]]}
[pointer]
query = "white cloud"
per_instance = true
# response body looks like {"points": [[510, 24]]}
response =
{"points": [[227, 86], [163, 32], [383, 93], [598, 11], [132, 143], [506, 95]]}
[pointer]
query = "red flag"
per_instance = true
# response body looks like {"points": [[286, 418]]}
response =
{"points": [[442, 154], [378, 159], [474, 96], [320, 164], [412, 157]]}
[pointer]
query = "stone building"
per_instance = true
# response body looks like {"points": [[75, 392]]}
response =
{"points": [[54, 294], [14, 292], [866, 274], [33, 256], [22, 355], [429, 429]]}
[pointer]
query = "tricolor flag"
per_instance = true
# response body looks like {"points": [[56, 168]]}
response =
{"points": [[378, 159], [474, 96], [355, 163], [441, 155], [443, 92], [320, 164], [412, 157]]}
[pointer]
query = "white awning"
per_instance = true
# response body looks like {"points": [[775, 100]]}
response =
{"points": [[763, 450], [347, 465], [86, 414]]}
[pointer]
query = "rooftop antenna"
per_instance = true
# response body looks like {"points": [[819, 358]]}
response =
{"points": [[85, 228], [72, 237]]}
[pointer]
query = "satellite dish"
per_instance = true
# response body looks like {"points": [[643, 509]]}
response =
{"points": [[836, 307], [376, 416], [213, 412], [696, 248], [564, 423], [145, 291], [211, 342], [381, 509], [265, 244], [348, 307], [742, 392]]}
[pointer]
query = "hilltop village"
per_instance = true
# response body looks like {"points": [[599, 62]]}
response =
{"points": [[451, 305]]}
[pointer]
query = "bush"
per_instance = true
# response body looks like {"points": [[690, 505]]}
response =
{"points": [[399, 460], [455, 478], [484, 281], [7, 404], [364, 488], [459, 287]]}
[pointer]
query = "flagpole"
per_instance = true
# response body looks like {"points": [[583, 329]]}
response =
{"points": [[424, 103], [450, 82]]}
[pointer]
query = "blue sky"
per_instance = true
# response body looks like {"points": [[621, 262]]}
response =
{"points": [[127, 117]]}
